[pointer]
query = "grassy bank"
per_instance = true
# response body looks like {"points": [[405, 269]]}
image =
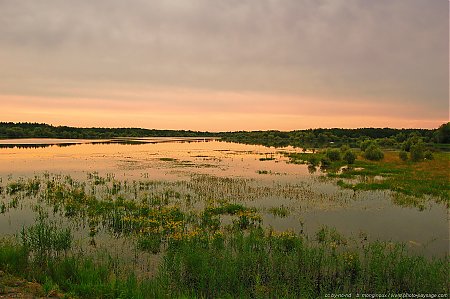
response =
{"points": [[429, 177], [237, 264]]}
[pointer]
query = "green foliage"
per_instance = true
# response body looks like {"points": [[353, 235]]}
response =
{"points": [[314, 160], [35, 130], [345, 148], [280, 211], [285, 265], [403, 155], [333, 154], [150, 242], [244, 265], [349, 157], [13, 256], [45, 239], [442, 134], [414, 139], [412, 179], [311, 138], [325, 162], [417, 151], [428, 155], [373, 153], [366, 144], [202, 258]]}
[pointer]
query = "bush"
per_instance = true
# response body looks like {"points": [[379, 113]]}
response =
{"points": [[325, 162], [333, 154], [417, 151], [428, 155], [366, 144], [373, 153], [403, 155], [313, 160], [406, 146], [345, 148], [349, 157]]}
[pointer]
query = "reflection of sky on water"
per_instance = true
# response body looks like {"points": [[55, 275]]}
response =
{"points": [[311, 200]]}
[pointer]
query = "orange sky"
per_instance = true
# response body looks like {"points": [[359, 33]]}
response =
{"points": [[227, 111], [225, 65]]}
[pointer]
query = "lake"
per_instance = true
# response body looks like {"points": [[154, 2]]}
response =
{"points": [[204, 171]]}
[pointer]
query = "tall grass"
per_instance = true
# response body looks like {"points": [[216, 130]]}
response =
{"points": [[263, 264], [236, 264]]}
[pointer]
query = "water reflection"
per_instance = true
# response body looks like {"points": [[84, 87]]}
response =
{"points": [[204, 171], [47, 142]]}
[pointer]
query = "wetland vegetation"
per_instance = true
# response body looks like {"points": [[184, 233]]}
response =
{"points": [[199, 254], [225, 220]]}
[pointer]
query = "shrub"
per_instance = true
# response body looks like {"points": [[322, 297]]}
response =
{"points": [[325, 162], [417, 151], [349, 157], [333, 154], [406, 146], [366, 143], [345, 148], [403, 155], [313, 160], [373, 153], [428, 155]]}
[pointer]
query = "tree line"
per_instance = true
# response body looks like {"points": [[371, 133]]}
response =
{"points": [[335, 137], [39, 130]]}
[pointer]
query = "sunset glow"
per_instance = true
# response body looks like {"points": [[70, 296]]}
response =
{"points": [[218, 66]]}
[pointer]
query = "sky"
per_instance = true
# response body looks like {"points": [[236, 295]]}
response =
{"points": [[225, 65]]}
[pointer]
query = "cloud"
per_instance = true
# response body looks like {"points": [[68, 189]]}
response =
{"points": [[351, 51]]}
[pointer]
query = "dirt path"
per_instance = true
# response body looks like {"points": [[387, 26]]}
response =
{"points": [[13, 287]]}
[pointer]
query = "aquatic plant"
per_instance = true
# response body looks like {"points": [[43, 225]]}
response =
{"points": [[45, 239], [279, 211]]}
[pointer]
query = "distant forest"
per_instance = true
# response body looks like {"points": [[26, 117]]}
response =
{"points": [[385, 137]]}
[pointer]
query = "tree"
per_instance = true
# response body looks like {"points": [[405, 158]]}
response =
{"points": [[442, 134], [349, 157], [325, 162], [333, 154], [413, 139], [374, 153], [366, 143], [417, 151]]}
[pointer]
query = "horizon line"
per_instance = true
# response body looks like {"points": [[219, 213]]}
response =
{"points": [[207, 131]]}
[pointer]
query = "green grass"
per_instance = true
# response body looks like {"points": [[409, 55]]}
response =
{"points": [[409, 178], [429, 177], [235, 264]]}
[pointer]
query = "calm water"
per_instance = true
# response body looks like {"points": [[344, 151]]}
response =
{"points": [[256, 176]]}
